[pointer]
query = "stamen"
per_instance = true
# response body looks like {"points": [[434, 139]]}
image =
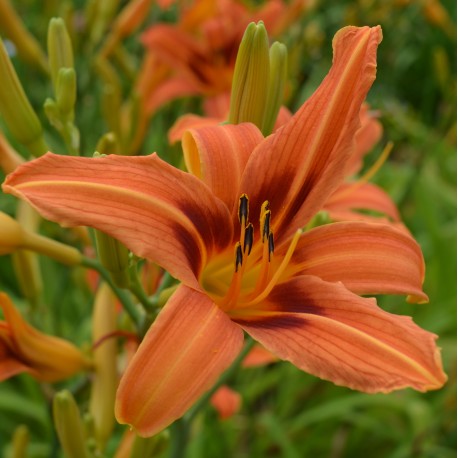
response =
{"points": [[229, 300], [271, 244], [264, 220], [243, 209], [266, 226], [281, 268], [263, 275], [238, 256], [248, 239]]}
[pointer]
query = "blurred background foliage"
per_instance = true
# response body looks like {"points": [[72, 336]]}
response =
{"points": [[285, 413]]}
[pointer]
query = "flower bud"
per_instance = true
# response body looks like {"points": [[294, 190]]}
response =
{"points": [[14, 236], [251, 77], [21, 439], [59, 49], [108, 144], [68, 424], [25, 262], [16, 110], [105, 382], [66, 92], [278, 61]]}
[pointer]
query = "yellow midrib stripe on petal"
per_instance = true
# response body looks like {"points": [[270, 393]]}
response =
{"points": [[332, 105], [151, 200], [247, 314], [177, 362]]}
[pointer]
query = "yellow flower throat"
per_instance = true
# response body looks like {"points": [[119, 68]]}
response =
{"points": [[246, 277]]}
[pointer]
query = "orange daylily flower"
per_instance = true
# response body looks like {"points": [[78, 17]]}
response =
{"points": [[197, 55], [25, 349], [226, 401], [214, 229], [347, 201]]}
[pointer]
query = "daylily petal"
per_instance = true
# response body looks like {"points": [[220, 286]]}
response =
{"points": [[47, 357], [156, 210], [188, 346], [284, 116], [366, 137], [218, 154], [171, 89], [298, 167], [367, 258], [9, 365], [217, 106], [189, 121], [258, 356], [364, 196], [325, 330], [183, 53], [173, 46]]}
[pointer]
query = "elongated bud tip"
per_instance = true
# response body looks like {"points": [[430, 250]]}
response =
{"points": [[251, 77], [16, 110], [278, 70], [66, 91], [68, 424], [108, 144], [59, 48]]}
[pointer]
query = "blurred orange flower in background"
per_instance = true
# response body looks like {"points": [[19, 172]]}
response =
{"points": [[25, 349]]}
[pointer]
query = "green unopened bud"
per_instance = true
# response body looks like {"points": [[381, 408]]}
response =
{"points": [[16, 110], [108, 144], [68, 424], [66, 92], [25, 262], [278, 62], [13, 236], [251, 77], [105, 381], [59, 48], [53, 114], [21, 438], [114, 256]]}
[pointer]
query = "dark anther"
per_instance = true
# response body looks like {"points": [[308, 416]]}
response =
{"points": [[271, 244], [243, 208], [248, 241], [266, 227], [238, 256]]}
